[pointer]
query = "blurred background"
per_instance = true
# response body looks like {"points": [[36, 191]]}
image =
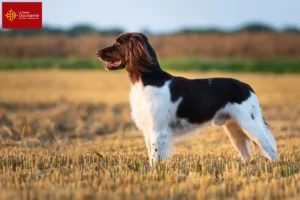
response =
{"points": [[259, 36]]}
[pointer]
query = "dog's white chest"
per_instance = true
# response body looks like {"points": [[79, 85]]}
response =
{"points": [[153, 110], [151, 107], [140, 105]]}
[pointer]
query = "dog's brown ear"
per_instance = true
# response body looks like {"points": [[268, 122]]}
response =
{"points": [[138, 57]]}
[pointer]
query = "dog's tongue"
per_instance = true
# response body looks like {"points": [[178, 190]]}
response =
{"points": [[112, 64]]}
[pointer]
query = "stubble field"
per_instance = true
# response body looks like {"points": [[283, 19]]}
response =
{"points": [[69, 135]]}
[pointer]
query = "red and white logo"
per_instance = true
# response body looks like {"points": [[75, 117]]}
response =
{"points": [[22, 15]]}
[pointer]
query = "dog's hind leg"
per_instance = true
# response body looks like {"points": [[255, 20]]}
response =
{"points": [[270, 138], [259, 136], [238, 138], [248, 115]]}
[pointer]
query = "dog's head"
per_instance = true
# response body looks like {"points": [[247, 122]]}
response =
{"points": [[131, 51]]}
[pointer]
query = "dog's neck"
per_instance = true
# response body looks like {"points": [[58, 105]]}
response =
{"points": [[152, 75]]}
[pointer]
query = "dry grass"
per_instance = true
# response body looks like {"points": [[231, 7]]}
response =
{"points": [[55, 143]]}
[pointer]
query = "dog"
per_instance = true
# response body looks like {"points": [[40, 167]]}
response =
{"points": [[165, 107]]}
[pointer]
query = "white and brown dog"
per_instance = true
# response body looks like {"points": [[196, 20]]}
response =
{"points": [[165, 107]]}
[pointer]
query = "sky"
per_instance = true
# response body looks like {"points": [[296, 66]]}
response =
{"points": [[169, 15]]}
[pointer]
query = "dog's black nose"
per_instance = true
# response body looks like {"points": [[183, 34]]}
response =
{"points": [[99, 53]]}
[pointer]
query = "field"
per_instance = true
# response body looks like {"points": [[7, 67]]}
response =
{"points": [[278, 65], [69, 135], [266, 45], [234, 52]]}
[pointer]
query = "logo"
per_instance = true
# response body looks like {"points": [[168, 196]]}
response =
{"points": [[11, 15], [22, 15]]}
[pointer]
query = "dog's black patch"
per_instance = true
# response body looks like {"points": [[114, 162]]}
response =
{"points": [[252, 116], [201, 100]]}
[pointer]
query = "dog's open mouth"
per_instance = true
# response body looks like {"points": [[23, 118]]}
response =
{"points": [[112, 64]]}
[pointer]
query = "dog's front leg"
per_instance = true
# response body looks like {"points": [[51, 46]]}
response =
{"points": [[161, 146], [147, 141]]}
